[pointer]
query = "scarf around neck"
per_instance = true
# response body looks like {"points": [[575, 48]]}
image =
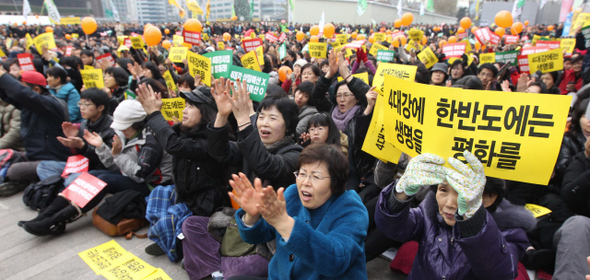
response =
{"points": [[342, 119]]}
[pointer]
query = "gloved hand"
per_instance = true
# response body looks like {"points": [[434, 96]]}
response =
{"points": [[361, 55], [468, 182], [423, 170]]}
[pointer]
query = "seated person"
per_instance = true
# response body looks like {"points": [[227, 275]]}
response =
{"points": [[57, 82]]}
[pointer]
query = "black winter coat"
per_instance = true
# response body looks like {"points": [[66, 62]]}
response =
{"points": [[576, 185], [103, 128], [570, 146]]}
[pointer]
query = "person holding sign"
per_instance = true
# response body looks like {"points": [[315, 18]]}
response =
{"points": [[199, 178], [464, 216]]}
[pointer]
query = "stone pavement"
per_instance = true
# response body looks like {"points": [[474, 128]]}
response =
{"points": [[24, 256]]}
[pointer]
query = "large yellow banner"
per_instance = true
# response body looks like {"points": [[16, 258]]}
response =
{"points": [[406, 72], [517, 136]]}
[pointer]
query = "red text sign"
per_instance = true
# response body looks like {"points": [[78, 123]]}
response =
{"points": [[83, 189]]}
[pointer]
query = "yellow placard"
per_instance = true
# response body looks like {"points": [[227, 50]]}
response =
{"points": [[406, 72], [205, 36], [379, 37], [375, 143], [88, 67], [504, 130], [30, 41], [75, 35], [341, 39], [121, 39], [177, 40], [548, 61], [318, 50], [428, 57], [44, 40], [260, 55], [469, 60], [159, 274], [415, 34], [137, 42], [568, 44], [250, 61], [170, 84], [131, 269], [467, 44], [2, 54], [172, 107], [261, 36], [70, 20], [537, 210], [376, 47], [198, 64], [412, 46], [105, 256], [363, 76], [582, 20], [177, 54], [92, 78], [487, 58], [220, 46]]}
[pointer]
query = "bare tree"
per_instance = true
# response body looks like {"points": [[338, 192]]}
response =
{"points": [[446, 7]]}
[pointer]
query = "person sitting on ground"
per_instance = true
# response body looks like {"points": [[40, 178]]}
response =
{"points": [[57, 81], [115, 82]]}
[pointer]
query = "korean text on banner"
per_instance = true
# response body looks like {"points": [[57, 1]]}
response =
{"points": [[260, 55], [523, 64], [200, 65], [537, 210], [177, 54], [487, 58], [106, 57], [105, 256], [376, 47], [251, 44], [549, 44], [454, 50], [375, 143], [548, 61], [511, 39], [25, 61], [220, 63], [75, 164], [131, 269], [137, 42], [415, 34], [379, 37], [177, 40], [92, 78], [170, 84], [341, 38], [363, 76], [385, 56], [83, 189], [507, 57], [70, 20], [569, 45], [256, 81], [193, 38], [505, 131], [250, 61], [428, 57], [406, 72], [44, 40], [318, 50]]}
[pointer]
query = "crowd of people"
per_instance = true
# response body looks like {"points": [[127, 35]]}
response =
{"points": [[312, 203]]}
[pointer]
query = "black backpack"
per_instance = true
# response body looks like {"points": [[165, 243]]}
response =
{"points": [[40, 195]]}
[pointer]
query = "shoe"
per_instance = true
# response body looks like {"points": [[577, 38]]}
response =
{"points": [[56, 224], [57, 204], [11, 188], [154, 250], [182, 264]]}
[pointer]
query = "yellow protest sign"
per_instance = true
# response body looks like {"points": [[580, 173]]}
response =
{"points": [[44, 40], [548, 61], [341, 38], [415, 34], [105, 256], [70, 20], [379, 37], [205, 36], [75, 35], [250, 61], [363, 76], [88, 67], [137, 42], [505, 131], [375, 48], [92, 78], [170, 84], [260, 55], [2, 54], [159, 274], [30, 41], [428, 57], [220, 46], [318, 50], [568, 44], [172, 108], [177, 54], [194, 7], [406, 72], [537, 210], [467, 45], [582, 20], [413, 46], [177, 40], [375, 143], [198, 64], [261, 36], [121, 39], [131, 269], [487, 58]]}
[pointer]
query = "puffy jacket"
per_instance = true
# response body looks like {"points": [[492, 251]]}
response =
{"points": [[70, 95], [486, 246], [572, 144], [10, 125], [103, 127], [199, 179], [41, 119]]}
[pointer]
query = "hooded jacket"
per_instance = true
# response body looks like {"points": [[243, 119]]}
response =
{"points": [[68, 93]]}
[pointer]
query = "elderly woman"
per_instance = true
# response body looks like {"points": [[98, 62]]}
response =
{"points": [[458, 238], [319, 226]]}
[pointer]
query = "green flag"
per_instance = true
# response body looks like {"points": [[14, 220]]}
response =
{"points": [[292, 4], [361, 7], [430, 6], [282, 51]]}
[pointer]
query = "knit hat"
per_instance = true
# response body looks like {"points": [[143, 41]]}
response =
{"points": [[300, 62], [127, 113], [33, 77]]}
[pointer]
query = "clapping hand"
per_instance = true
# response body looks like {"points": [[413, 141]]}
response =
{"points": [[93, 138], [247, 196], [150, 100], [117, 145]]}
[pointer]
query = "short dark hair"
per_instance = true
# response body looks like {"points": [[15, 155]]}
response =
{"points": [[335, 160], [98, 97], [422, 74], [469, 82], [288, 109], [187, 79], [6, 64], [577, 59], [57, 72], [153, 69], [156, 86], [120, 75], [323, 119], [494, 186], [539, 84], [307, 88], [124, 63], [314, 68], [490, 67], [87, 53], [276, 91]]}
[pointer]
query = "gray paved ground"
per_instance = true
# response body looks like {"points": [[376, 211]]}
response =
{"points": [[24, 256]]}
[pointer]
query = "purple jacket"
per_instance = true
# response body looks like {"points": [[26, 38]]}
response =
{"points": [[489, 248]]}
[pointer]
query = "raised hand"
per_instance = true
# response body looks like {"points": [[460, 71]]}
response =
{"points": [[241, 103], [273, 207], [220, 90], [247, 196], [333, 64], [423, 170], [151, 101], [117, 145], [469, 182]]}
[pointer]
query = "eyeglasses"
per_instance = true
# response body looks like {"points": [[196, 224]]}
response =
{"points": [[318, 129], [315, 178], [345, 94], [84, 105]]}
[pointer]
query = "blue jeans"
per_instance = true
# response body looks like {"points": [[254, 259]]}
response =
{"points": [[116, 182], [48, 168]]}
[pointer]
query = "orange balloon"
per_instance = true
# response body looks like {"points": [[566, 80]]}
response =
{"points": [[315, 30], [452, 39], [513, 31], [166, 44], [226, 36], [402, 39], [329, 30], [388, 31], [441, 43], [88, 25], [147, 25], [477, 45], [518, 26], [407, 19], [461, 30], [473, 29], [234, 18], [371, 39], [353, 35], [500, 31], [360, 37], [48, 29], [314, 39], [465, 22], [25, 22], [152, 36], [167, 31], [300, 35], [550, 28], [503, 19], [526, 23], [193, 25], [397, 23], [284, 72], [68, 37], [424, 39]]}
